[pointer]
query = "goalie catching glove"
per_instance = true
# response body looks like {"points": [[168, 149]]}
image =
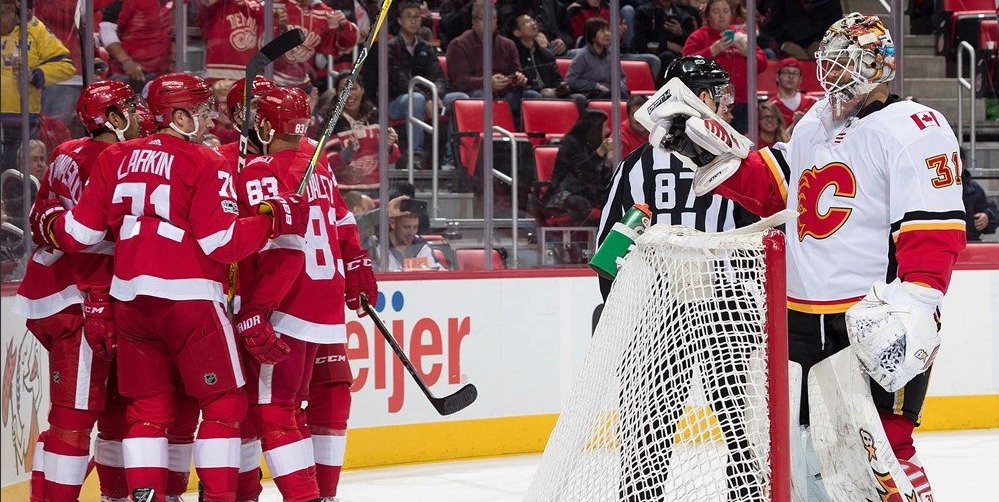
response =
{"points": [[679, 121], [258, 336], [894, 333]]}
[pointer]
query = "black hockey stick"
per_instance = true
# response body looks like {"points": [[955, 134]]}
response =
{"points": [[446, 405], [342, 100], [265, 56], [254, 68]]}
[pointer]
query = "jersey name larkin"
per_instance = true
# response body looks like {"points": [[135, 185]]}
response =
{"points": [[849, 189]]}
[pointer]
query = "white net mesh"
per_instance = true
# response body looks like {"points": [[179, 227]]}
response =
{"points": [[670, 403]]}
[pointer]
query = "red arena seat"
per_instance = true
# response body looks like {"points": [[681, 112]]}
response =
{"points": [[639, 76], [544, 162], [605, 106], [547, 119], [442, 60], [563, 65], [468, 120], [470, 260]]}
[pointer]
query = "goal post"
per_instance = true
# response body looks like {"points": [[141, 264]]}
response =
{"points": [[683, 392]]}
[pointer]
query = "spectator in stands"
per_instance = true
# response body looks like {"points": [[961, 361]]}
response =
{"points": [[464, 63], [553, 28], [661, 29], [138, 34], [353, 150], [798, 26], [789, 99], [38, 159], [718, 40], [772, 129], [409, 56], [232, 30], [407, 251], [48, 63], [537, 62], [590, 71], [582, 173], [584, 10], [981, 214], [59, 100], [696, 9], [327, 31], [633, 134]]}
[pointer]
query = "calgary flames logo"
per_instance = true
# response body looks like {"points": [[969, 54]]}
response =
{"points": [[715, 128], [887, 487], [812, 184]]}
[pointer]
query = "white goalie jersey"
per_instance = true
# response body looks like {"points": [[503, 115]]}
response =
{"points": [[878, 197]]}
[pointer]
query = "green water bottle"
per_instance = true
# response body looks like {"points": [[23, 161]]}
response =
{"points": [[619, 240]]}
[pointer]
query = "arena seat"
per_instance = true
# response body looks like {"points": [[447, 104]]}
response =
{"points": [[544, 162], [471, 260], [442, 60], [960, 21], [988, 32], [468, 122], [604, 105], [639, 77], [563, 65], [766, 82], [441, 258], [548, 119]]}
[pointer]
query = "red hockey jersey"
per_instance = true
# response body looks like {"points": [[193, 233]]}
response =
{"points": [[145, 28], [232, 30], [297, 278], [172, 206], [53, 279], [292, 70]]}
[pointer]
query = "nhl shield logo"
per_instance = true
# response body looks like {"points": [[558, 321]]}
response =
{"points": [[56, 377], [211, 379]]}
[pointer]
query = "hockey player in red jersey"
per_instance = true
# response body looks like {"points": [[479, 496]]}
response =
{"points": [[79, 341], [876, 183], [327, 31], [171, 205]]}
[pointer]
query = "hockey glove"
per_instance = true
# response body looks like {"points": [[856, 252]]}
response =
{"points": [[41, 220], [360, 279], [680, 122], [98, 328], [258, 336], [289, 213], [894, 333]]}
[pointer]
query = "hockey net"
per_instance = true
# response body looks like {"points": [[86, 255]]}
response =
{"points": [[683, 390]]}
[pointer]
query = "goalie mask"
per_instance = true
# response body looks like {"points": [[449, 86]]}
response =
{"points": [[855, 55], [702, 74]]}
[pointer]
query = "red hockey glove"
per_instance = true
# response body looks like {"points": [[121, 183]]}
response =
{"points": [[258, 336], [41, 221], [98, 328], [289, 213], [359, 279]]}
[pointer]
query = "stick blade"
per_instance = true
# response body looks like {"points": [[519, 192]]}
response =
{"points": [[456, 402], [283, 43]]}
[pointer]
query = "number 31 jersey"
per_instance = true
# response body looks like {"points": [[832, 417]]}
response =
{"points": [[299, 279], [878, 198]]}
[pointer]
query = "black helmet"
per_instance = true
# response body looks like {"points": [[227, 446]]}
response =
{"points": [[699, 73]]}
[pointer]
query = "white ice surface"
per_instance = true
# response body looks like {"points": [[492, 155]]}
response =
{"points": [[962, 466]]}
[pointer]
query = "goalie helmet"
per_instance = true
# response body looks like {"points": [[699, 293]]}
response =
{"points": [[855, 55], [97, 98], [699, 74], [234, 99], [285, 109], [180, 91]]}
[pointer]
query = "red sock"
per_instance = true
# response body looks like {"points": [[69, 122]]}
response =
{"points": [[328, 411], [37, 471], [66, 452], [288, 450], [216, 449], [248, 480], [108, 455], [180, 436], [145, 445]]}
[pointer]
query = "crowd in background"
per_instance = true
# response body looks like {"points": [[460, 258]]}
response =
{"points": [[134, 42]]}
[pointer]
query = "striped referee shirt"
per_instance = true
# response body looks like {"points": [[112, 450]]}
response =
{"points": [[656, 177]]}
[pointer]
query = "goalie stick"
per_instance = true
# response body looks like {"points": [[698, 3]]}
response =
{"points": [[446, 405], [255, 67], [342, 99]]}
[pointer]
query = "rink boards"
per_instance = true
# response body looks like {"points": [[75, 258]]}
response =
{"points": [[518, 336]]}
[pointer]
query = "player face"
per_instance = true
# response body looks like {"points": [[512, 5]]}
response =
{"points": [[206, 115]]}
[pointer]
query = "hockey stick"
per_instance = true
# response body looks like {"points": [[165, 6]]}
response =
{"points": [[265, 56], [444, 405], [342, 100]]}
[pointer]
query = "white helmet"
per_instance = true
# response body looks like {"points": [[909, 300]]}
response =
{"points": [[855, 55]]}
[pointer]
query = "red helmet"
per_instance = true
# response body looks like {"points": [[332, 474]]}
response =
{"points": [[175, 91], [96, 98], [146, 124], [234, 99], [287, 109]]}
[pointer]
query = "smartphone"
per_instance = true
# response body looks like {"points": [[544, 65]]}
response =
{"points": [[729, 35], [413, 206]]}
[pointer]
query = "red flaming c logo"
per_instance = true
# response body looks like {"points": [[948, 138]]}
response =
{"points": [[812, 184]]}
